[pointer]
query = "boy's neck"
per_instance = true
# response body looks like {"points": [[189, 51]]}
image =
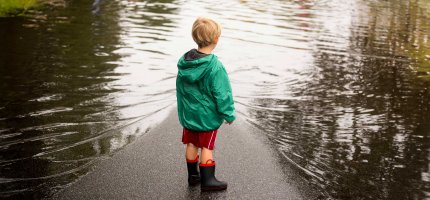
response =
{"points": [[207, 49]]}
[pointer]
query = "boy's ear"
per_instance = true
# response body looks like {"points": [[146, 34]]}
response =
{"points": [[216, 40]]}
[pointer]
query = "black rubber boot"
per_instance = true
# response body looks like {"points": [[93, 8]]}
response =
{"points": [[193, 172], [208, 180]]}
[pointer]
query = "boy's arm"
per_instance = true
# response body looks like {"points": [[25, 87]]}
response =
{"points": [[221, 91]]}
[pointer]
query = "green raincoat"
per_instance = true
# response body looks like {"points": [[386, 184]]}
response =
{"points": [[204, 94]]}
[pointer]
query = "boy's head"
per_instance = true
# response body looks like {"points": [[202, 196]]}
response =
{"points": [[205, 31]]}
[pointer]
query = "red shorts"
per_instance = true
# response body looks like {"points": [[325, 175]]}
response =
{"points": [[200, 139]]}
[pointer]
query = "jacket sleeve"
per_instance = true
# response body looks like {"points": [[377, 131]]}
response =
{"points": [[221, 91]]}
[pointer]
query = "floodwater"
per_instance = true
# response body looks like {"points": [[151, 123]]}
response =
{"points": [[341, 88]]}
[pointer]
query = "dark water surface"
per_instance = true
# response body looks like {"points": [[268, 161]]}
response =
{"points": [[340, 87]]}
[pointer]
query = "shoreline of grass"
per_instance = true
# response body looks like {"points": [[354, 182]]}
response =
{"points": [[15, 7]]}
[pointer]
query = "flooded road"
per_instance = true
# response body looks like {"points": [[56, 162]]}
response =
{"points": [[340, 89]]}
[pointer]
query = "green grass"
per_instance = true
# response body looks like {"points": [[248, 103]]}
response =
{"points": [[15, 7]]}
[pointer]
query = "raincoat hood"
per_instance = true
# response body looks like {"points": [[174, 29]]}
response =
{"points": [[194, 70]]}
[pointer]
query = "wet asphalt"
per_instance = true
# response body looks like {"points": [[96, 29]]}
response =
{"points": [[153, 167]]}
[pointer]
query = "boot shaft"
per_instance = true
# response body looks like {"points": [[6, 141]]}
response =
{"points": [[193, 173], [192, 168], [207, 172]]}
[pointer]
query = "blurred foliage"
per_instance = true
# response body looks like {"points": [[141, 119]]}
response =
{"points": [[15, 7], [419, 50], [407, 36]]}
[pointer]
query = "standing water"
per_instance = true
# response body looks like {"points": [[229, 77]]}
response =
{"points": [[341, 88]]}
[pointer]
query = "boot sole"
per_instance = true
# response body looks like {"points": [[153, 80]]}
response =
{"points": [[213, 188]]}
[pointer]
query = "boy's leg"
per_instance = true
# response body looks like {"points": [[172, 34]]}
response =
{"points": [[191, 152], [206, 155]]}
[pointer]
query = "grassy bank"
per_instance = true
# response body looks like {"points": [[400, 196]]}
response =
{"points": [[15, 7]]}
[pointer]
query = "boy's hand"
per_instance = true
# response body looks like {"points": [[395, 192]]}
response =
{"points": [[229, 123]]}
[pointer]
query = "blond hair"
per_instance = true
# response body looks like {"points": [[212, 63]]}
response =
{"points": [[205, 31]]}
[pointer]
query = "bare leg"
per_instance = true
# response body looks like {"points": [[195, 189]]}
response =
{"points": [[206, 155], [191, 152]]}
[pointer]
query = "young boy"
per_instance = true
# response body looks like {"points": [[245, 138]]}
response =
{"points": [[205, 101]]}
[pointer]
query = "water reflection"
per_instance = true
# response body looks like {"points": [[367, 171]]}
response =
{"points": [[63, 101], [358, 128], [50, 78]]}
